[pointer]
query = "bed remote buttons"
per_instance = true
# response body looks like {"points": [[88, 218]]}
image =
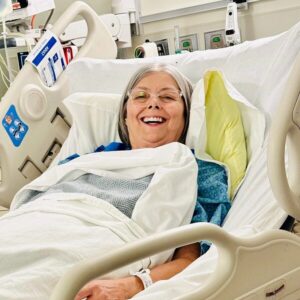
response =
{"points": [[33, 102], [14, 126]]}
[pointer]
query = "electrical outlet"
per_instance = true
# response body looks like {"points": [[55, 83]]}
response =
{"points": [[215, 39], [189, 42]]}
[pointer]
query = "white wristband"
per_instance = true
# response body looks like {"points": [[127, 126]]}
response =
{"points": [[144, 276]]}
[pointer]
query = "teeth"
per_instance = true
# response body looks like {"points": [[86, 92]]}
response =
{"points": [[153, 119]]}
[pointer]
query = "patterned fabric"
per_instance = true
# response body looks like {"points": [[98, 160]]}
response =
{"points": [[213, 201], [121, 193]]}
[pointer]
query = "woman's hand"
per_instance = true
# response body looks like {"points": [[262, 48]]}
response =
{"points": [[115, 289], [126, 288]]}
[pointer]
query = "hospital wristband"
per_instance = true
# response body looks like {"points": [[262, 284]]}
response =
{"points": [[144, 276]]}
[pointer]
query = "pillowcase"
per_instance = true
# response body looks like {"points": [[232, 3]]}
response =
{"points": [[224, 125], [225, 140], [94, 123]]}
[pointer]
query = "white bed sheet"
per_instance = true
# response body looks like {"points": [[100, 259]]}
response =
{"points": [[75, 226]]}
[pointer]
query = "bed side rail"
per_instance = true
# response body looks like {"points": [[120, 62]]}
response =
{"points": [[285, 135], [267, 255], [38, 109]]}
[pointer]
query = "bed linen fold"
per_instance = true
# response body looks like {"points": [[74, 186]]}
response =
{"points": [[45, 237]]}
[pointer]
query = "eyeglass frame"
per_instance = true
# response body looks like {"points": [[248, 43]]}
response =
{"points": [[179, 95]]}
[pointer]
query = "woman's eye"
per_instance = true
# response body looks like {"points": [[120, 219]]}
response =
{"points": [[140, 97], [168, 97]]}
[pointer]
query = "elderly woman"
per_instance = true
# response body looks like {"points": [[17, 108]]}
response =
{"points": [[87, 206], [154, 111]]}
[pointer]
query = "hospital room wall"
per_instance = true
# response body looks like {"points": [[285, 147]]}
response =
{"points": [[263, 18], [100, 6]]}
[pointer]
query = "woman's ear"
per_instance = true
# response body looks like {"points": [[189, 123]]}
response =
{"points": [[126, 121]]}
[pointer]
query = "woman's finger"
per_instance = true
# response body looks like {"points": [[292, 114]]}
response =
{"points": [[84, 293]]}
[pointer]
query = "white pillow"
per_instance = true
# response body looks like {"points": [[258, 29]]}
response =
{"points": [[94, 122], [95, 117]]}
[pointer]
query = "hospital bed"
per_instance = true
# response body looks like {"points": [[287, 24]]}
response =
{"points": [[250, 258]]}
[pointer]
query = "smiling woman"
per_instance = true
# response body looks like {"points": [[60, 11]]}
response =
{"points": [[155, 107], [154, 111]]}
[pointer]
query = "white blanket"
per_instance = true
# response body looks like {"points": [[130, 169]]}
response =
{"points": [[43, 238]]}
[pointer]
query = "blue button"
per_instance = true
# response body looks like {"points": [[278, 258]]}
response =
{"points": [[14, 126]]}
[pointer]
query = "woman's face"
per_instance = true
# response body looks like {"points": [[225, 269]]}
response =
{"points": [[155, 111]]}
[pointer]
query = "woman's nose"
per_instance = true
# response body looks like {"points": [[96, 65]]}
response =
{"points": [[153, 103]]}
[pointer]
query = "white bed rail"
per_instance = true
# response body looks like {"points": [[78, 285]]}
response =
{"points": [[40, 108], [244, 264], [285, 134]]}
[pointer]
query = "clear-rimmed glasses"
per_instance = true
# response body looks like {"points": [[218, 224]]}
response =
{"points": [[165, 96]]}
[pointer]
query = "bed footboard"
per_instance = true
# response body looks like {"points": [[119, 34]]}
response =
{"points": [[246, 267]]}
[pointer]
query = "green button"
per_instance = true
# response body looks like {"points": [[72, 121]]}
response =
{"points": [[216, 39], [186, 44]]}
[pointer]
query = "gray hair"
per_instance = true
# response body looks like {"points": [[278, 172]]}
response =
{"points": [[184, 85]]}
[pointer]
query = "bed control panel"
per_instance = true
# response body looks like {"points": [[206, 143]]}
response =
{"points": [[14, 126]]}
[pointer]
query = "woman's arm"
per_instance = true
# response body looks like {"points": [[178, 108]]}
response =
{"points": [[127, 287]]}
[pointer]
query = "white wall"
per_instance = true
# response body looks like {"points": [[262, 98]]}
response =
{"points": [[263, 18], [100, 6], [147, 7]]}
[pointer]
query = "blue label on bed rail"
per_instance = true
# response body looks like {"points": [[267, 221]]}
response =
{"points": [[48, 58], [44, 51], [14, 126]]}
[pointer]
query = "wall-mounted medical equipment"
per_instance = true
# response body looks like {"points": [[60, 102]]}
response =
{"points": [[232, 31], [118, 24]]}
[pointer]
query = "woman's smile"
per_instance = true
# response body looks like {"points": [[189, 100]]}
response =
{"points": [[153, 121]]}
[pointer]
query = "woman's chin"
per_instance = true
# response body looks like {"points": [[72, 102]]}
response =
{"points": [[151, 143]]}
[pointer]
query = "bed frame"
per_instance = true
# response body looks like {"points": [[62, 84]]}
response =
{"points": [[40, 108], [261, 267]]}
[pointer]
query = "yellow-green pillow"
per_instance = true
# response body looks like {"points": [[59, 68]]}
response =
{"points": [[224, 127]]}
